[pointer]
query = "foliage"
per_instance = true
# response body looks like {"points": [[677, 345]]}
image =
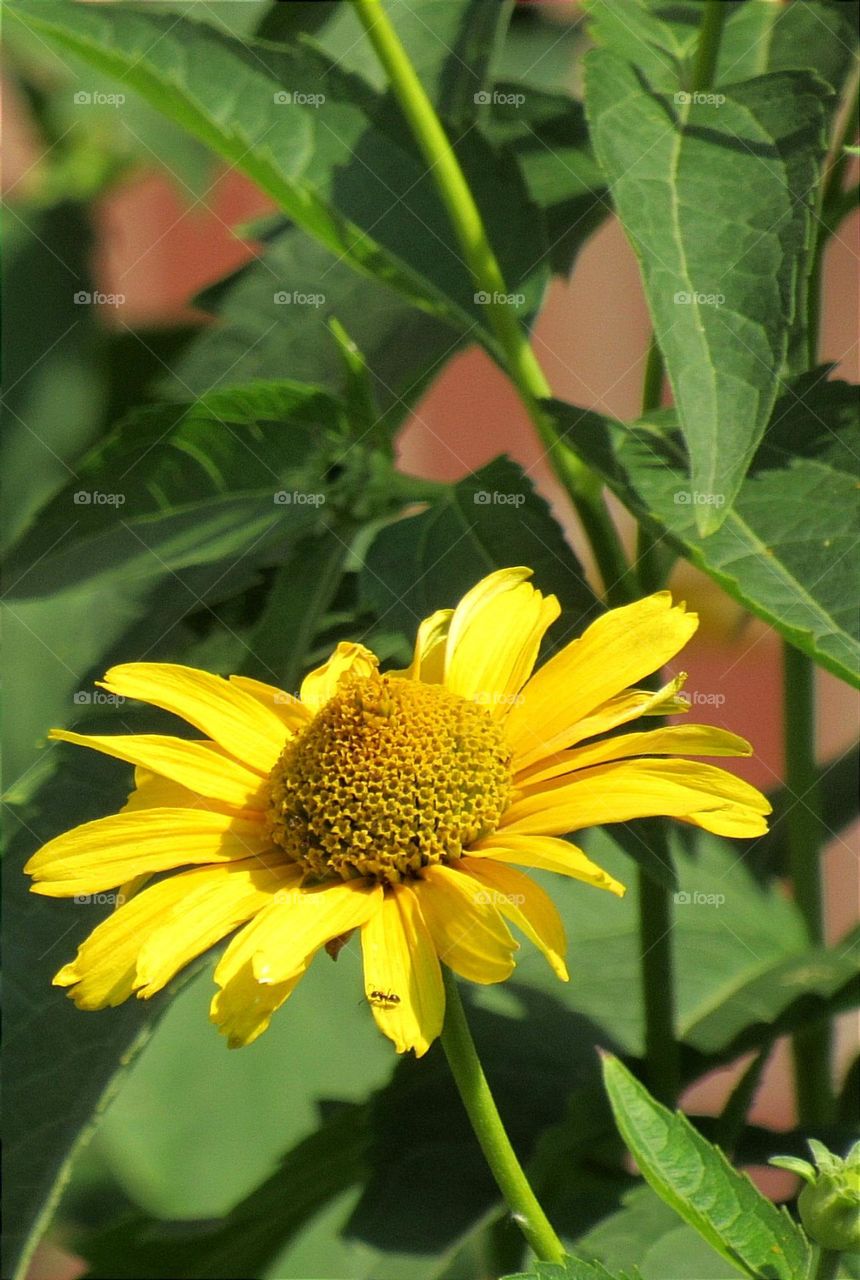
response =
{"points": [[228, 495]]}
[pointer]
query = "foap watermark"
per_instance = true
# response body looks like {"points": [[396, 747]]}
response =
{"points": [[495, 498], [498, 99], [698, 99], [100, 899], [487, 699], [697, 698], [83, 298], [698, 498], [686, 898], [685, 298], [96, 698], [294, 298], [295, 98], [492, 898], [297, 498], [95, 498], [97, 99], [485, 299], [283, 699]]}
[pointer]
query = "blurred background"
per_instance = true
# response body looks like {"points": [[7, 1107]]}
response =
{"points": [[127, 201]]}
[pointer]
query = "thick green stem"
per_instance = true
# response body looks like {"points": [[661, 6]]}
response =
{"points": [[487, 1123], [812, 1048], [708, 47], [658, 985], [583, 486]]}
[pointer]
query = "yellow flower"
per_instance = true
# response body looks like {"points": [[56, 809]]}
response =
{"points": [[391, 803]]}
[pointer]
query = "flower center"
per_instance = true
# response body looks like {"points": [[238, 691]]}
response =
{"points": [[390, 776]]}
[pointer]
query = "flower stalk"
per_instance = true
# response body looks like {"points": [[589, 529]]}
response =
{"points": [[490, 1131], [581, 483]]}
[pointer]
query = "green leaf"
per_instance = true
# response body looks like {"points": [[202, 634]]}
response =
{"points": [[449, 42], [489, 520], [647, 1234], [716, 196], [329, 1160], [548, 135], [786, 550], [301, 593], [642, 33], [793, 992], [572, 1269], [310, 135], [695, 1179], [760, 36]]}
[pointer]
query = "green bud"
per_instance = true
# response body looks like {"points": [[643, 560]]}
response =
{"points": [[829, 1204]]}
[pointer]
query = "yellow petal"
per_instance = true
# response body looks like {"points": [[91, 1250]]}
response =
{"points": [[428, 658], [151, 937], [699, 793], [526, 905], [347, 660], [263, 963], [494, 639], [546, 853], [676, 739], [283, 937], [632, 703], [239, 723], [289, 709], [236, 892], [102, 854], [243, 1010], [469, 935], [154, 792], [202, 769], [618, 649], [402, 978]]}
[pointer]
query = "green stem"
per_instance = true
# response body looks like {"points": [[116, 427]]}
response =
{"points": [[658, 985], [487, 1123], [582, 484], [655, 906], [708, 48], [811, 1048]]}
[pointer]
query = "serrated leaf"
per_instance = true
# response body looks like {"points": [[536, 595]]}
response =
{"points": [[312, 137], [695, 1179], [787, 549], [489, 520], [759, 36], [716, 195]]}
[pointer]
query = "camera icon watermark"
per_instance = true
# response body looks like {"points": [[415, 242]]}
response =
{"points": [[96, 698], [685, 898], [498, 99], [684, 298], [698, 698], [697, 99], [293, 297], [83, 298], [296, 497], [295, 98], [492, 898], [495, 498], [97, 99], [100, 899], [697, 498], [484, 299], [95, 498]]}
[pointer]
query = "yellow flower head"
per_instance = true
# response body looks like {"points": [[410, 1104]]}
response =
{"points": [[393, 804]]}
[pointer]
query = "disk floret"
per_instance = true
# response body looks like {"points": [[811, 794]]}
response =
{"points": [[390, 776]]}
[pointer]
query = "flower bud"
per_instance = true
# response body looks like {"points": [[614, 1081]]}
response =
{"points": [[829, 1204]]}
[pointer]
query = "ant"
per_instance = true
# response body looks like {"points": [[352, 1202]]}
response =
{"points": [[384, 999]]}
